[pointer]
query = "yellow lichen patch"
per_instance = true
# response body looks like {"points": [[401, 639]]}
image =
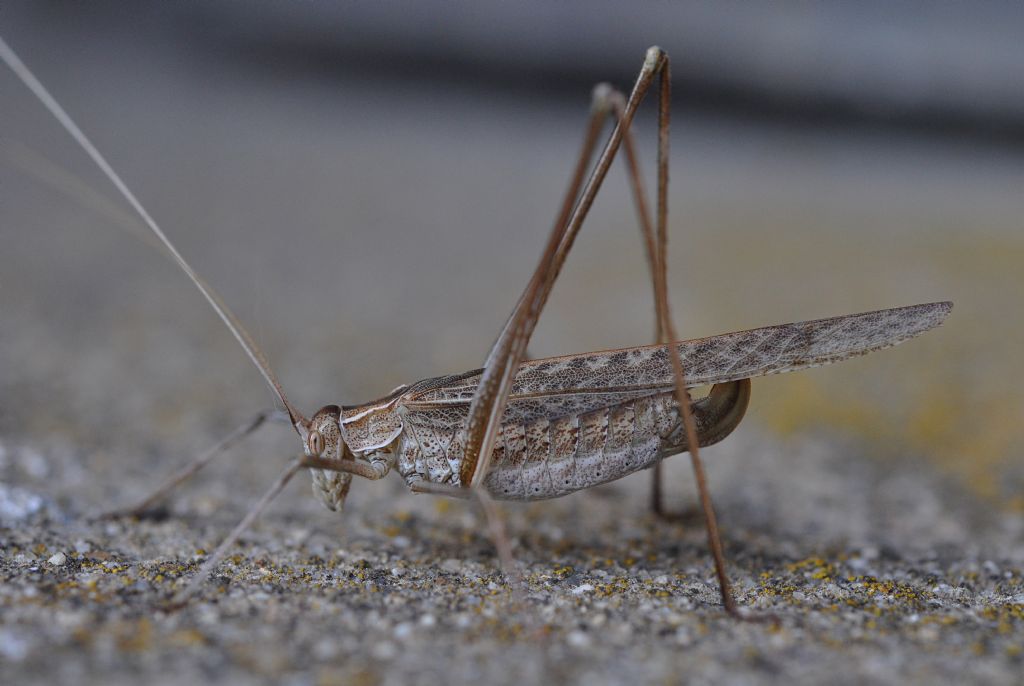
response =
{"points": [[1004, 614], [615, 587], [901, 595], [562, 571], [776, 588], [782, 591], [815, 568]]}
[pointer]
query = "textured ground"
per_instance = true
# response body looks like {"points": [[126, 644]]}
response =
{"points": [[873, 507], [893, 579]]}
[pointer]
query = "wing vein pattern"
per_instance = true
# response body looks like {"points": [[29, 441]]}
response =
{"points": [[560, 386]]}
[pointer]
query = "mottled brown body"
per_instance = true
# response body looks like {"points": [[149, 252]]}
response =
{"points": [[546, 458], [580, 420]]}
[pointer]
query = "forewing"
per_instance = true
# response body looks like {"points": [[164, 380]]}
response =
{"points": [[559, 386]]}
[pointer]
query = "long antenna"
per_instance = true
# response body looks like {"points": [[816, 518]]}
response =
{"points": [[244, 339]]}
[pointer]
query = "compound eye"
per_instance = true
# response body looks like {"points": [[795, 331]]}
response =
{"points": [[316, 443]]}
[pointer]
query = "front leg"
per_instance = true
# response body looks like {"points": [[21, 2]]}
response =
{"points": [[331, 486], [372, 471]]}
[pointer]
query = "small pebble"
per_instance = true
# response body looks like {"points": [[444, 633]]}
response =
{"points": [[583, 588], [58, 559]]}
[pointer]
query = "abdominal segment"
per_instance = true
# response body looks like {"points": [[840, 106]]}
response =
{"points": [[576, 452], [546, 458]]}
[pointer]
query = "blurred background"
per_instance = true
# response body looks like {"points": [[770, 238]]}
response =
{"points": [[370, 184]]}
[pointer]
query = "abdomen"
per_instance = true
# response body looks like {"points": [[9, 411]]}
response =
{"points": [[549, 458]]}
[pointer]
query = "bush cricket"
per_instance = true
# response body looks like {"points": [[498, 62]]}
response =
{"points": [[520, 429]]}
